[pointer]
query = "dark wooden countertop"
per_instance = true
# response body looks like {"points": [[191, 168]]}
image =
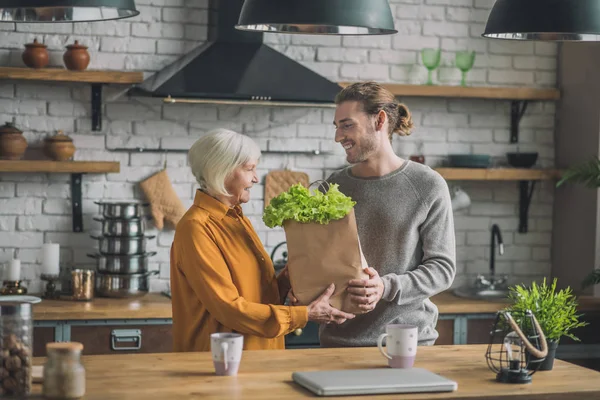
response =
{"points": [[155, 305]]}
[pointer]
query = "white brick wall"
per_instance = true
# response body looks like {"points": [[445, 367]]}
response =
{"points": [[35, 207]]}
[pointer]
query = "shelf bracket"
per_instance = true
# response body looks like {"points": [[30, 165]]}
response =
{"points": [[76, 202], [517, 109], [96, 106], [525, 193]]}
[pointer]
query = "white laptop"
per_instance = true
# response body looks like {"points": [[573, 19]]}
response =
{"points": [[373, 381]]}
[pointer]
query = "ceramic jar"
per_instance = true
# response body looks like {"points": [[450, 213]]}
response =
{"points": [[36, 55], [64, 375], [76, 57], [12, 142], [59, 147]]}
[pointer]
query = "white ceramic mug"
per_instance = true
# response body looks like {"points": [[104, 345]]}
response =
{"points": [[401, 344], [226, 352], [460, 200]]}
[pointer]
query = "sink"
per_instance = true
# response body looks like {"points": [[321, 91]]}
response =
{"points": [[499, 295]]}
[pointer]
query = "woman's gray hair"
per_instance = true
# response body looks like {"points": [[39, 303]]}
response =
{"points": [[214, 156]]}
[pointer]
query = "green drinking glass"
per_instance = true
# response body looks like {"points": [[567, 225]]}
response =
{"points": [[431, 59], [464, 62]]}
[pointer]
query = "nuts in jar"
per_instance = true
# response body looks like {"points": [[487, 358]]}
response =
{"points": [[15, 357]]}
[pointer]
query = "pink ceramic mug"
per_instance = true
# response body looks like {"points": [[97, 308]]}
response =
{"points": [[226, 352], [401, 344]]}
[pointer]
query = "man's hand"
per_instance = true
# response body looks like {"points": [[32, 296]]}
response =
{"points": [[366, 293], [320, 310]]}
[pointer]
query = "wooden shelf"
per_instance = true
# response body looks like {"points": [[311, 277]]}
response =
{"points": [[68, 167], [498, 174], [95, 78], [75, 168], [472, 92], [64, 75]]}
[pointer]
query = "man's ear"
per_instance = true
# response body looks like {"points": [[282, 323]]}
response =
{"points": [[380, 120]]}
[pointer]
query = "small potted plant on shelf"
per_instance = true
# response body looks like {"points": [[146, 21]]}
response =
{"points": [[556, 312], [588, 174]]}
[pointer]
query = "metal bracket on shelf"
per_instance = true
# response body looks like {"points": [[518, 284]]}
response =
{"points": [[517, 109], [96, 106], [525, 193], [76, 202]]}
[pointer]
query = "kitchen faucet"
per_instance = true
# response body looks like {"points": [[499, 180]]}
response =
{"points": [[491, 282], [495, 234]]}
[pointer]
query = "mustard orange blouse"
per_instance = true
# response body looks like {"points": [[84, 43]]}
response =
{"points": [[222, 280]]}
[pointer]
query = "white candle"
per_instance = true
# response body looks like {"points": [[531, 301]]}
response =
{"points": [[50, 258], [13, 272]]}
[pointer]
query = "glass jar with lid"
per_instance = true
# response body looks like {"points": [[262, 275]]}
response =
{"points": [[16, 333], [64, 376]]}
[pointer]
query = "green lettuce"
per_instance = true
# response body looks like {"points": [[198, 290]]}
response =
{"points": [[302, 205]]}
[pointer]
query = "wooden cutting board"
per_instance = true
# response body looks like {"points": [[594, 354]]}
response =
{"points": [[278, 182]]}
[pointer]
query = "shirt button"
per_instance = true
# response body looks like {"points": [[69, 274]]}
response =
{"points": [[262, 259]]}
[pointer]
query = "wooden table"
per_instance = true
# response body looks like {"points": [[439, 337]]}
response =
{"points": [[267, 375]]}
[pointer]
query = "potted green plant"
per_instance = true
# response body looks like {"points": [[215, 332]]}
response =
{"points": [[556, 312], [588, 174]]}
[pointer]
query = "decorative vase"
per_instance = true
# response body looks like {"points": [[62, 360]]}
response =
{"points": [[548, 362], [59, 147], [36, 55], [76, 57], [12, 142]]}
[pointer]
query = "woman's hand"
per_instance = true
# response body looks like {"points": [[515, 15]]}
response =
{"points": [[320, 310], [283, 283]]}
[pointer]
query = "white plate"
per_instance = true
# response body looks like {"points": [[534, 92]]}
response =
{"points": [[17, 297]]}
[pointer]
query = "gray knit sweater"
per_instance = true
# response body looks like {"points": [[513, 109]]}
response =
{"points": [[406, 232]]}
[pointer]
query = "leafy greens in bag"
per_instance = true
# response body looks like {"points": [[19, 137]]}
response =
{"points": [[301, 205]]}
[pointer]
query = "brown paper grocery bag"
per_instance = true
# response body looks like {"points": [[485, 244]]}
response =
{"points": [[319, 255]]}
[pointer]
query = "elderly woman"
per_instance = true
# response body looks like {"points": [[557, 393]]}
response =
{"points": [[222, 279]]}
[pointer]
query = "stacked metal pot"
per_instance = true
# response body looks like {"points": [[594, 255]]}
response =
{"points": [[122, 259]]}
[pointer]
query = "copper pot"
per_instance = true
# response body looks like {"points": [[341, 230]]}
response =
{"points": [[76, 57], [36, 55], [59, 147], [12, 142]]}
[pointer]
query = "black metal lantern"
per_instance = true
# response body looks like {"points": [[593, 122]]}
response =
{"points": [[318, 17], [546, 20], [516, 350], [65, 10]]}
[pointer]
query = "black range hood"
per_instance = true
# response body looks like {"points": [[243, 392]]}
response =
{"points": [[235, 66]]}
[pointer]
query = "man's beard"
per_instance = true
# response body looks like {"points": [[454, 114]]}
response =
{"points": [[366, 146]]}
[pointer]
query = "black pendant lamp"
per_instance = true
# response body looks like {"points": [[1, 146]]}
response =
{"points": [[545, 20], [318, 17], [65, 10]]}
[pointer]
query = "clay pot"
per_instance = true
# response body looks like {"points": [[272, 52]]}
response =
{"points": [[12, 142], [76, 57], [59, 147], [36, 55]]}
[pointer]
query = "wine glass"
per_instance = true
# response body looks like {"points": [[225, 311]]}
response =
{"points": [[464, 62], [431, 59]]}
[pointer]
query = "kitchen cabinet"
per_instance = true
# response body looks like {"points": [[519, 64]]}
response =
{"points": [[589, 334], [41, 336], [123, 339], [445, 328], [479, 329]]}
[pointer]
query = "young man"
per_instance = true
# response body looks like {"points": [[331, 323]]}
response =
{"points": [[404, 219]]}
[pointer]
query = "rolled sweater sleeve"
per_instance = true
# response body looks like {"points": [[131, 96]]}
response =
{"points": [[208, 275], [438, 267]]}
